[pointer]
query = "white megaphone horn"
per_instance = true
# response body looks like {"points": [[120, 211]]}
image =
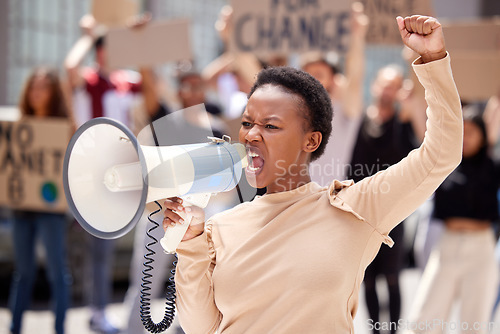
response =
{"points": [[108, 177]]}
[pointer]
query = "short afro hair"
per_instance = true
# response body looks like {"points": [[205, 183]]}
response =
{"points": [[316, 100]]}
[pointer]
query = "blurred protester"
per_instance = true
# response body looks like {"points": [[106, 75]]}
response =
{"points": [[462, 267], [430, 229], [492, 119], [383, 140], [42, 97], [98, 91], [427, 233], [347, 99], [231, 75], [197, 120], [192, 89]]}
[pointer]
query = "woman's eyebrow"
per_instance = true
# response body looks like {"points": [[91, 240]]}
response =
{"points": [[264, 120], [271, 118]]}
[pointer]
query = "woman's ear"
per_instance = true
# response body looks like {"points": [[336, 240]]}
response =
{"points": [[313, 140]]}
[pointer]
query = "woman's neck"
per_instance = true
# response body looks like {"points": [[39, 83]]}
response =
{"points": [[289, 182]]}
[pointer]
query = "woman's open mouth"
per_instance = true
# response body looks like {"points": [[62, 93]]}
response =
{"points": [[255, 160]]}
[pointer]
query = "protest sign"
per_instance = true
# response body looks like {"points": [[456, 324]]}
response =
{"points": [[383, 28], [31, 159], [474, 48], [266, 27], [113, 13], [156, 43]]}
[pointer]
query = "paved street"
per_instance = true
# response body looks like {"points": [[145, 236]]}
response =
{"points": [[40, 322]]}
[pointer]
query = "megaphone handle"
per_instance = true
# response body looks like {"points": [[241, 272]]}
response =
{"points": [[174, 234]]}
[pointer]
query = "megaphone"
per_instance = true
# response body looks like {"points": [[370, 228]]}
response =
{"points": [[108, 177]]}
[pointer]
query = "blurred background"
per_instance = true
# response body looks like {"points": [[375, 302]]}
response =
{"points": [[37, 33]]}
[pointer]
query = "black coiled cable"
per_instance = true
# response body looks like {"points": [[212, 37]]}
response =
{"points": [[168, 318]]}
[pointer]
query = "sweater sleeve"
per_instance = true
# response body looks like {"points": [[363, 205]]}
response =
{"points": [[388, 197], [193, 281]]}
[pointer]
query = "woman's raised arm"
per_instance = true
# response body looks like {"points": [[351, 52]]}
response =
{"points": [[388, 197]]}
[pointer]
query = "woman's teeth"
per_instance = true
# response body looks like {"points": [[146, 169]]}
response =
{"points": [[253, 169]]}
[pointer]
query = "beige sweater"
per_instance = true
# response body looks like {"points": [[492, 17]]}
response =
{"points": [[293, 262]]}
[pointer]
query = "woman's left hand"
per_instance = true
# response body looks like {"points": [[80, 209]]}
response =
{"points": [[424, 35]]}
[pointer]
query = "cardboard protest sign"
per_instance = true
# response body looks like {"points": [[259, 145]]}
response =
{"points": [[31, 160], [268, 27], [476, 74], [113, 13], [474, 48], [481, 35], [383, 28], [155, 43]]}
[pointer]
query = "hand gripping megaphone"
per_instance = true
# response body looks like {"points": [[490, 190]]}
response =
{"points": [[109, 177]]}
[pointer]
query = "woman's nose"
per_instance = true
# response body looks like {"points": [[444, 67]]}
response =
{"points": [[253, 134]]}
